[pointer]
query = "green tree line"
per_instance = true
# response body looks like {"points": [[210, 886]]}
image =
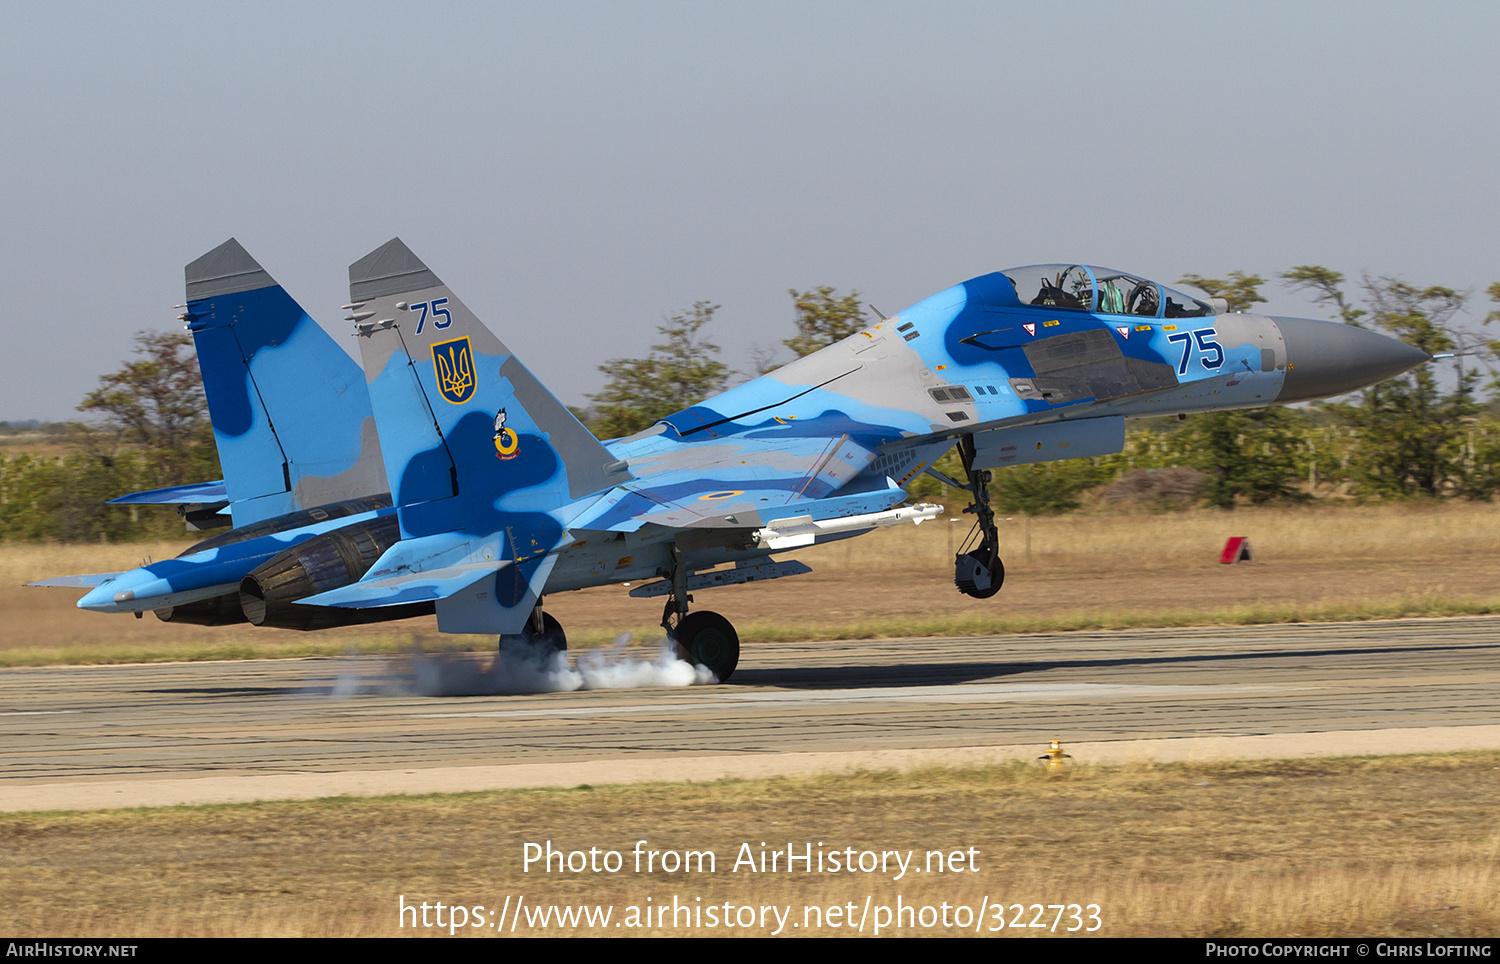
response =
{"points": [[152, 430]]}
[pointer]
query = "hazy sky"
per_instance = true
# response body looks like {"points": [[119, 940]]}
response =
{"points": [[577, 171]]}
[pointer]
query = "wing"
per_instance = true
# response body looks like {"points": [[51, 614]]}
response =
{"points": [[740, 483]]}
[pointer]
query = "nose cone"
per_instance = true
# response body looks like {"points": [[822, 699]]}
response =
{"points": [[1325, 358]]}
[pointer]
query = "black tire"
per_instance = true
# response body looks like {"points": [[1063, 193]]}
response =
{"points": [[968, 587], [708, 639], [551, 639]]}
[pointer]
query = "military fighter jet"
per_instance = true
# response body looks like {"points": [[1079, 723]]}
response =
{"points": [[501, 496]]}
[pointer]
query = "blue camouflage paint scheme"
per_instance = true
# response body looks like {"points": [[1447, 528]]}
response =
{"points": [[832, 435], [501, 495], [290, 413]]}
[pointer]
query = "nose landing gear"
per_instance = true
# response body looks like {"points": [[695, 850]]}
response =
{"points": [[978, 572]]}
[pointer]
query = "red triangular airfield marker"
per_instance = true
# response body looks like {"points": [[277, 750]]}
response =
{"points": [[1237, 549]]}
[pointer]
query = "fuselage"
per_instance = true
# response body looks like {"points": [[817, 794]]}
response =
{"points": [[1036, 363]]}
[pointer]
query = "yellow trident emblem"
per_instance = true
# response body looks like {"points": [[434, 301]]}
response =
{"points": [[453, 365]]}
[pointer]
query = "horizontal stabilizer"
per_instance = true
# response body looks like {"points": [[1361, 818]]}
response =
{"points": [[76, 582], [410, 587], [199, 493], [479, 586]]}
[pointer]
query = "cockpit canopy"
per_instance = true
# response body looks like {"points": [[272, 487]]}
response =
{"points": [[1082, 287]]}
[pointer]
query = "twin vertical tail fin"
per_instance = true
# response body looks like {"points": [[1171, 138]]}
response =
{"points": [[469, 434], [486, 466], [290, 412]]}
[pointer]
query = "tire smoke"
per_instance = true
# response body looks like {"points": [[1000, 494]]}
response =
{"points": [[520, 669]]}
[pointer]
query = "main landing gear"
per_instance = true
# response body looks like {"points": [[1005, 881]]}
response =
{"points": [[542, 632], [702, 638], [978, 572]]}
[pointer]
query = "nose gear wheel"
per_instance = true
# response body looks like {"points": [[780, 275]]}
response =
{"points": [[978, 572]]}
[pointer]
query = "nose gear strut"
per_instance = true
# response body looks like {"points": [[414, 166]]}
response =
{"points": [[978, 572]]}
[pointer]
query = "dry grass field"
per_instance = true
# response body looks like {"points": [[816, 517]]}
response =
{"points": [[1389, 846], [36, 444], [1087, 570]]}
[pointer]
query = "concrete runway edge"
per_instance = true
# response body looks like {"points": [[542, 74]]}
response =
{"points": [[17, 796]]}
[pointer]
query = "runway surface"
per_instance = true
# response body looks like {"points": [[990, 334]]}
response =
{"points": [[189, 732]]}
